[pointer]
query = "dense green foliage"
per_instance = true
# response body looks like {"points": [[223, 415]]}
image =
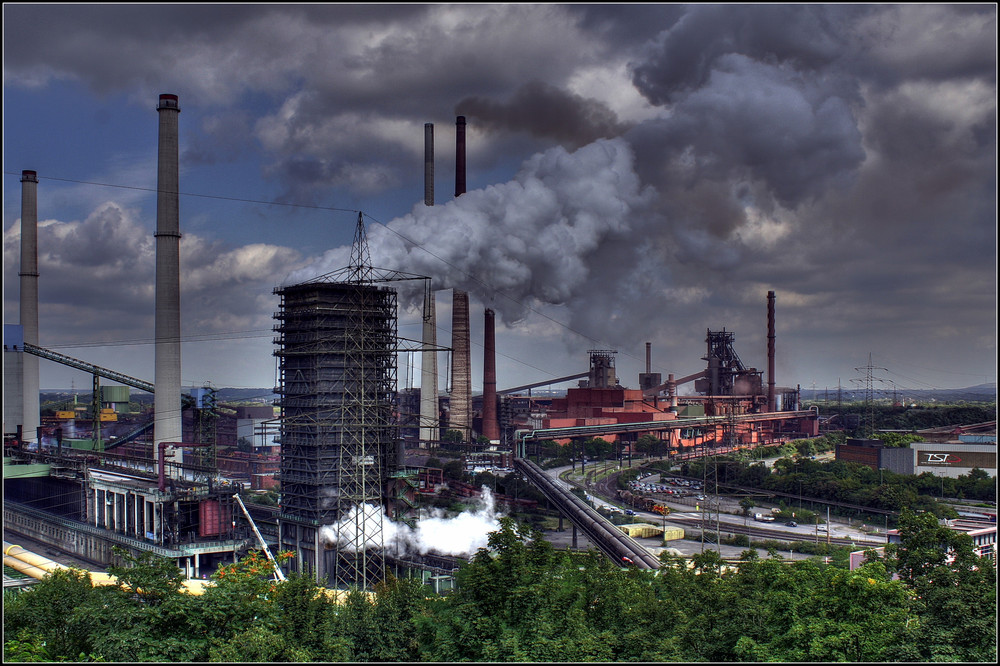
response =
{"points": [[521, 600], [901, 417], [849, 483]]}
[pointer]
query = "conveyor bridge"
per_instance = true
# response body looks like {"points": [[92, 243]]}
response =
{"points": [[602, 533]]}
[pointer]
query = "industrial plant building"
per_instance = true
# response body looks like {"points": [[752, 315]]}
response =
{"points": [[337, 441]]}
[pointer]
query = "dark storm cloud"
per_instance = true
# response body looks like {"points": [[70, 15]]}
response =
{"points": [[844, 155], [682, 58], [546, 111], [627, 24]]}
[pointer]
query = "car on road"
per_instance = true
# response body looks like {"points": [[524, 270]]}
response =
{"points": [[792, 523], [629, 512], [700, 497]]}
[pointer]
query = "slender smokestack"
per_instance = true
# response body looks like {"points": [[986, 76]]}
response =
{"points": [[460, 156], [461, 372], [429, 371], [461, 367], [491, 427], [167, 395], [770, 352], [28, 274], [428, 164], [649, 358]]}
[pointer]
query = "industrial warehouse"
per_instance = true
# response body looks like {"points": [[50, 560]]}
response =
{"points": [[337, 442]]}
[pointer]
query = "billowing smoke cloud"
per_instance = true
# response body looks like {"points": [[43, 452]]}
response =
{"points": [[460, 535], [837, 153], [537, 238], [545, 110]]}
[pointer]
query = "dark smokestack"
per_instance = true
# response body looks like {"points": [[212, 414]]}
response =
{"points": [[428, 164], [649, 358], [461, 367], [460, 156], [461, 371], [491, 427], [770, 351], [167, 323]]}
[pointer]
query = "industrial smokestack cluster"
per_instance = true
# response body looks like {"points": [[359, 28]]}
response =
{"points": [[460, 417], [31, 418], [167, 380]]}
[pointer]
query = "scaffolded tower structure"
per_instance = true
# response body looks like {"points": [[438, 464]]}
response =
{"points": [[337, 373], [337, 369]]}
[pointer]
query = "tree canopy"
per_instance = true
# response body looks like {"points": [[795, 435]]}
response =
{"points": [[930, 598]]}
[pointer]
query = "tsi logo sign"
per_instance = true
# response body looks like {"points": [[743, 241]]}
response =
{"points": [[941, 459]]}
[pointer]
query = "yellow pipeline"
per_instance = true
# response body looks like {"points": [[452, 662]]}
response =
{"points": [[38, 567]]}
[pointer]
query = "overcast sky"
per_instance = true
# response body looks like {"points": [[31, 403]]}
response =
{"points": [[635, 173]]}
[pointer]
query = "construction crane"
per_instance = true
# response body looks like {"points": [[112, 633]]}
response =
{"points": [[267, 551]]}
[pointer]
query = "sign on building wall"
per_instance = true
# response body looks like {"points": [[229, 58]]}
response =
{"points": [[964, 459]]}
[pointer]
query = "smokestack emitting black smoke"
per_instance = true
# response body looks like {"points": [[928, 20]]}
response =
{"points": [[428, 164], [460, 156]]}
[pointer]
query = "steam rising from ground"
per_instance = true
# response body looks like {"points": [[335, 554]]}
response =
{"points": [[460, 535]]}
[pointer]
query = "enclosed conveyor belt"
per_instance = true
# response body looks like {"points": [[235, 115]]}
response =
{"points": [[606, 536]]}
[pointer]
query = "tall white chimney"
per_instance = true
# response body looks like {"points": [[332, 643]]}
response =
{"points": [[429, 427], [29, 303], [167, 395]]}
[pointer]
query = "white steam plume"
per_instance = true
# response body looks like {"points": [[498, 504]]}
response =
{"points": [[536, 239], [460, 535]]}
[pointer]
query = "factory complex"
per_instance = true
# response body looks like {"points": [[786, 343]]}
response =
{"points": [[337, 435]]}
